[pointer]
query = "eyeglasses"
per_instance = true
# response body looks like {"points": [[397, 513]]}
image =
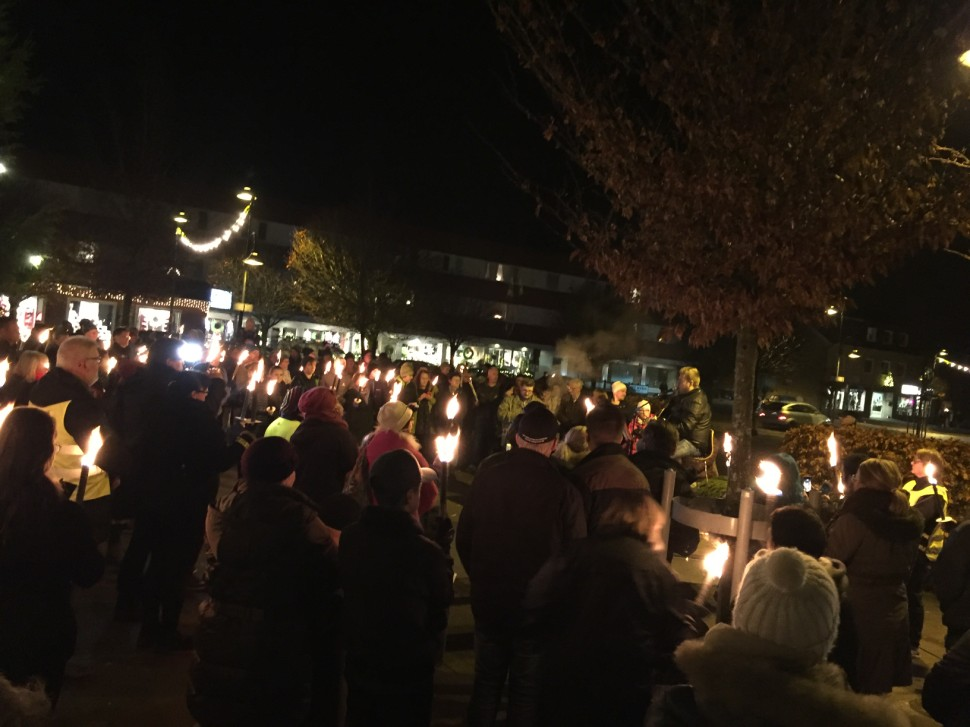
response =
{"points": [[93, 358]]}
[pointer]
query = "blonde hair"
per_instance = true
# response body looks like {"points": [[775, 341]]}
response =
{"points": [[691, 374], [75, 349], [28, 364], [931, 456], [883, 474], [626, 507]]}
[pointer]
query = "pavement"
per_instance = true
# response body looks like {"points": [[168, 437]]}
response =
{"points": [[119, 686]]}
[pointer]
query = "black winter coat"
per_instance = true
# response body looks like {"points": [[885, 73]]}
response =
{"points": [[397, 589], [16, 391], [327, 452], [37, 571], [272, 610], [520, 512], [690, 413], [611, 614], [951, 579]]}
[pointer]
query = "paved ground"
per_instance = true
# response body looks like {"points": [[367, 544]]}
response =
{"points": [[125, 687]]}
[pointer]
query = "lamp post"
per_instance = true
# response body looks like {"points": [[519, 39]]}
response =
{"points": [[250, 261], [173, 272]]}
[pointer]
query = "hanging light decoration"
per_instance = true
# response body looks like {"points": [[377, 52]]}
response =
{"points": [[246, 196]]}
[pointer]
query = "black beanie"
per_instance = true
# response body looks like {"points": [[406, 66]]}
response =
{"points": [[393, 475], [269, 460]]}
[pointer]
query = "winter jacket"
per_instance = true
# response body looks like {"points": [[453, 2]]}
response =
{"points": [[951, 579], [947, 685], [326, 452], [520, 512], [37, 572], [604, 472], [15, 391], [511, 407], [610, 615], [273, 609], [76, 413], [397, 589], [282, 427], [740, 680], [690, 413], [878, 548], [384, 441], [571, 413]]}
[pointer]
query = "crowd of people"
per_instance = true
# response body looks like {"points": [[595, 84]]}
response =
{"points": [[329, 562]]}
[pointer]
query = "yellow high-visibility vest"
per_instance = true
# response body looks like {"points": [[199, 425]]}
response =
{"points": [[67, 460]]}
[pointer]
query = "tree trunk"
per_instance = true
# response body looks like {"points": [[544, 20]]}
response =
{"points": [[745, 365]]}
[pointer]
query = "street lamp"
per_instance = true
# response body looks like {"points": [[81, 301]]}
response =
{"points": [[965, 58], [3, 168], [250, 261], [854, 353], [35, 260]]}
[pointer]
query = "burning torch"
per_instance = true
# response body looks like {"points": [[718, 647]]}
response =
{"points": [[768, 482], [447, 447], [87, 461], [714, 563]]}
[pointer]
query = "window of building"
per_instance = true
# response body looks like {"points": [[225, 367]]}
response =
{"points": [[867, 366], [886, 338], [871, 334], [884, 367]]}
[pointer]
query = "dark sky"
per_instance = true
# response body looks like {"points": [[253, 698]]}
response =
{"points": [[400, 107]]}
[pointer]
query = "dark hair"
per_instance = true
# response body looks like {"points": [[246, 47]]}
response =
{"points": [[268, 461], [797, 527], [660, 437], [851, 462], [392, 476], [162, 350], [119, 329], [605, 423], [26, 446], [185, 384]]}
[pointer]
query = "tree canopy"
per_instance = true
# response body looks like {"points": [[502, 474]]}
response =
{"points": [[350, 279], [746, 162], [268, 289]]}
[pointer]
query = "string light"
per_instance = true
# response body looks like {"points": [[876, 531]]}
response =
{"points": [[202, 247], [953, 364]]}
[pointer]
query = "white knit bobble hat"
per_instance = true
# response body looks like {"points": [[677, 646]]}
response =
{"points": [[787, 598]]}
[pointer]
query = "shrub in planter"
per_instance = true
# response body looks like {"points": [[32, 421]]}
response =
{"points": [[808, 445]]}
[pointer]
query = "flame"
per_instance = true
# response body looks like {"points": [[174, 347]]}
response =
{"points": [[215, 354], [279, 356], [376, 374], [434, 381], [271, 386], [222, 357], [769, 479], [390, 376], [338, 367], [361, 381], [112, 362], [929, 469], [833, 451], [142, 354], [396, 391], [44, 335], [241, 358], [589, 405], [326, 369], [94, 446], [256, 377], [715, 561], [451, 411], [807, 485], [362, 368], [841, 486], [4, 369], [4, 412], [728, 446], [446, 447]]}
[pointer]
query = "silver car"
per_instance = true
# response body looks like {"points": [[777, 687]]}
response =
{"points": [[785, 415]]}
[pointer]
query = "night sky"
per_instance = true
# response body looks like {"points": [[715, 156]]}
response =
{"points": [[403, 108]]}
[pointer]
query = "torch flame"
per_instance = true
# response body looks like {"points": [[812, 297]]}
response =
{"points": [[112, 362], [728, 446], [833, 451], [589, 405], [375, 374], [396, 390], [94, 446], [241, 358], [326, 369], [4, 369], [929, 469], [215, 353], [841, 485], [451, 411], [434, 381], [279, 356], [769, 479], [4, 412], [44, 335], [361, 381], [446, 447], [338, 367], [715, 561], [362, 368], [389, 377], [142, 354], [271, 386]]}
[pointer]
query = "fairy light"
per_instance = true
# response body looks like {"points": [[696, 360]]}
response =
{"points": [[203, 247]]}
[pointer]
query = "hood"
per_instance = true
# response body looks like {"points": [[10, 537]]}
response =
{"points": [[872, 508], [741, 680]]}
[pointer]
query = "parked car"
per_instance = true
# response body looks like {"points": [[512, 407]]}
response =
{"points": [[785, 415]]}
